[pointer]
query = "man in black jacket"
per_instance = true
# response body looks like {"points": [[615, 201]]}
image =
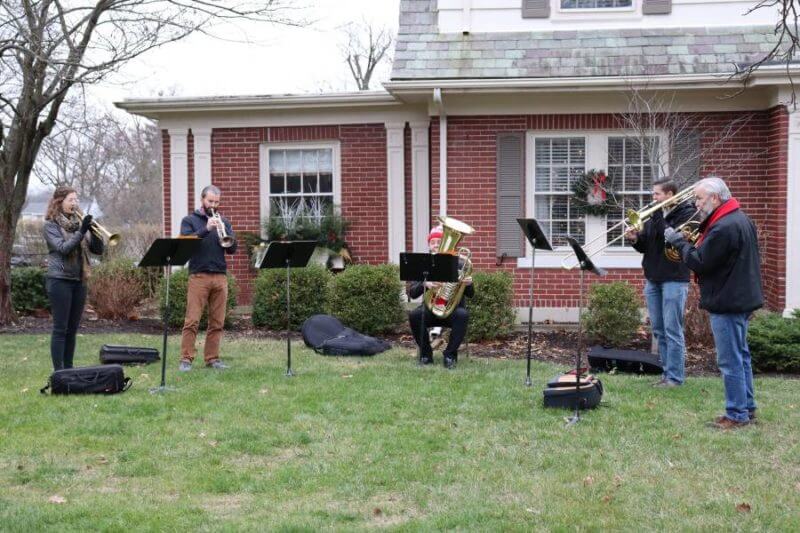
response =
{"points": [[457, 321], [727, 263], [208, 282], [667, 283]]}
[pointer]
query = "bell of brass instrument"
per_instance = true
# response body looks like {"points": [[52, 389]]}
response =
{"points": [[111, 239], [691, 232], [443, 300], [225, 240]]}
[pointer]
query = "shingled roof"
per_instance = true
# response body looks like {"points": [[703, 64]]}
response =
{"points": [[422, 52]]}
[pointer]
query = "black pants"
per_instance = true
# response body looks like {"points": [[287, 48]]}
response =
{"points": [[67, 298], [457, 322]]}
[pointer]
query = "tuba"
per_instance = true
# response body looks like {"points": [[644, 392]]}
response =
{"points": [[111, 239], [443, 300]]}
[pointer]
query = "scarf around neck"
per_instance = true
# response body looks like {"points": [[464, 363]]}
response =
{"points": [[722, 211], [69, 225]]}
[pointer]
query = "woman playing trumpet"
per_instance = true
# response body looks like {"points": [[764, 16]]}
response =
{"points": [[69, 243]]}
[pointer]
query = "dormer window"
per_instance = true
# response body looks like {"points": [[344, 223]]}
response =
{"points": [[595, 4]]}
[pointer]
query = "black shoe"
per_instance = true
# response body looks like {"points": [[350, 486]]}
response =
{"points": [[449, 363], [426, 361]]}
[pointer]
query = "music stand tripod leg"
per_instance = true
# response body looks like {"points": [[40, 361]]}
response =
{"points": [[289, 372], [163, 387], [577, 416], [528, 381]]}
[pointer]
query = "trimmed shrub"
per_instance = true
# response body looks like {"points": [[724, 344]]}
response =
{"points": [[28, 291], [116, 287], [774, 343], [491, 310], [308, 286], [367, 298], [179, 283], [612, 317]]}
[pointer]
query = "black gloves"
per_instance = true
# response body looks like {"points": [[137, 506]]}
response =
{"points": [[86, 223], [672, 236]]}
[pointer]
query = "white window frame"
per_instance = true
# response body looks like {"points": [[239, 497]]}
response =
{"points": [[625, 9], [264, 202], [597, 158]]}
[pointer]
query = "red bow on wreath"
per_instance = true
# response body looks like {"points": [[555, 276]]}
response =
{"points": [[599, 190]]}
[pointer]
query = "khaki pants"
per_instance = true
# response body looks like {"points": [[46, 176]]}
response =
{"points": [[204, 287]]}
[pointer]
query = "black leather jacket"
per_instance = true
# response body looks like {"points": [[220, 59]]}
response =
{"points": [[64, 258]]}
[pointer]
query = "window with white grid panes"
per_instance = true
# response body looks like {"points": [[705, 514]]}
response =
{"points": [[558, 161], [595, 4], [301, 176], [632, 168]]}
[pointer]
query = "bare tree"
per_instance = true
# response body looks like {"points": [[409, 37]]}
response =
{"points": [[365, 48], [49, 47], [786, 45]]}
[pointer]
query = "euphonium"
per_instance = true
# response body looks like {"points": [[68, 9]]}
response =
{"points": [[443, 300], [111, 239], [225, 240]]}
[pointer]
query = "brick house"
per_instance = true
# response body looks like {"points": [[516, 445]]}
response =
{"points": [[491, 110]]}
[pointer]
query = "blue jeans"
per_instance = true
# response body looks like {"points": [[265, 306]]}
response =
{"points": [[666, 302], [733, 358]]}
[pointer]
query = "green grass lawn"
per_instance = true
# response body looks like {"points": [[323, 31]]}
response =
{"points": [[353, 444]]}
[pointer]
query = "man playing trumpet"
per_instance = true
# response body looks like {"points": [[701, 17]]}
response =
{"points": [[208, 283]]}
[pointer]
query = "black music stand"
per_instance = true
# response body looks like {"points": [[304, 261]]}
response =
{"points": [[288, 254], [586, 265], [426, 267], [168, 253], [533, 232]]}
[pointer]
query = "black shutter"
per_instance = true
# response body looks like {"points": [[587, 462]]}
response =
{"points": [[685, 158], [510, 174], [656, 7], [535, 9]]}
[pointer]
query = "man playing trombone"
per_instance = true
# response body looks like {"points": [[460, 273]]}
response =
{"points": [[208, 282], [667, 282]]}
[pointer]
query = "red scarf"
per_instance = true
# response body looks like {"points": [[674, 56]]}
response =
{"points": [[725, 209]]}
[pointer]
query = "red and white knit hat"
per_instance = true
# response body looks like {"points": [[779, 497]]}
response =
{"points": [[436, 233]]}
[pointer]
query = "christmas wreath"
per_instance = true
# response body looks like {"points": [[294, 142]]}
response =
{"points": [[593, 194]]}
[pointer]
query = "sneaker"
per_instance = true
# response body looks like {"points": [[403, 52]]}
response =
{"points": [[426, 361], [725, 423], [185, 366], [449, 363], [218, 365]]}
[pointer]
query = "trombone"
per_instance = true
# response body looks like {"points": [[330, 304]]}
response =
{"points": [[111, 239], [634, 220]]}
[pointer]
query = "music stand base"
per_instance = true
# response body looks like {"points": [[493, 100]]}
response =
{"points": [[289, 373], [528, 382]]}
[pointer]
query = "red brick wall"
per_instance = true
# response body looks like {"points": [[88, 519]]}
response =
{"points": [[751, 160]]}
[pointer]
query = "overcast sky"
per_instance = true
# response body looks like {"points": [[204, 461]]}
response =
{"points": [[257, 59]]}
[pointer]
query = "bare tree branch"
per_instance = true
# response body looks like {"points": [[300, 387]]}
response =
{"points": [[364, 50], [49, 47]]}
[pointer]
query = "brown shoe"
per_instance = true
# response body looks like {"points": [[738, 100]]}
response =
{"points": [[723, 422]]}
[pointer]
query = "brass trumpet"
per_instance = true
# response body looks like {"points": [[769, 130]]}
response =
{"points": [[691, 232], [111, 239]]}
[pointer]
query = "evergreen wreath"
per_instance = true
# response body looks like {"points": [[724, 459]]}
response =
{"points": [[593, 193]]}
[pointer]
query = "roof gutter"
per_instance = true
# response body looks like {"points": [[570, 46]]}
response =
{"points": [[439, 103]]}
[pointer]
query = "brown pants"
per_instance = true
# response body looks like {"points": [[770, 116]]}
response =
{"points": [[204, 287]]}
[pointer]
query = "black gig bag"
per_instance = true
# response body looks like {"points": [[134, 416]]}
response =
{"points": [[103, 379], [326, 335], [113, 354]]}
